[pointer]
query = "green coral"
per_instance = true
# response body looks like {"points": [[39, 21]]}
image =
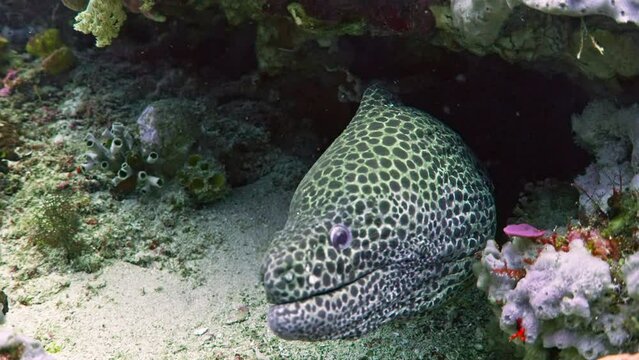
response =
{"points": [[204, 180], [44, 43], [324, 28], [103, 19]]}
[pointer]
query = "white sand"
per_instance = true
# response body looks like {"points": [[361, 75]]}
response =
{"points": [[132, 312]]}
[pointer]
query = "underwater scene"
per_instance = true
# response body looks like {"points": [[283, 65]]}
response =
{"points": [[319, 179]]}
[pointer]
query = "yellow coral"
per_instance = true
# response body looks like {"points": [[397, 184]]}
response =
{"points": [[103, 19]]}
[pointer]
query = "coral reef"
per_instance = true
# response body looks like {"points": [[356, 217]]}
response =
{"points": [[170, 128], [103, 19], [557, 291], [575, 288], [613, 142], [295, 33]]}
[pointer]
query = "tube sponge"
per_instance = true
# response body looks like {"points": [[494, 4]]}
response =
{"points": [[103, 19]]}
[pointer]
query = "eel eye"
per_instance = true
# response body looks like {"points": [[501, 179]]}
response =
{"points": [[341, 237]]}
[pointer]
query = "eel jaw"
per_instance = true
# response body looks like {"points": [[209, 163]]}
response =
{"points": [[357, 308], [327, 316]]}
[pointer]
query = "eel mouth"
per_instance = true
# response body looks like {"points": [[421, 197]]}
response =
{"points": [[343, 312], [312, 318], [324, 292]]}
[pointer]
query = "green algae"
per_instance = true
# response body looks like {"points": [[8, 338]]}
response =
{"points": [[54, 222]]}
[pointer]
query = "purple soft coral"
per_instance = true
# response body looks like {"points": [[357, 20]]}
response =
{"points": [[523, 230]]}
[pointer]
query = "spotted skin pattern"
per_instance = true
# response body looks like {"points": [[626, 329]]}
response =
{"points": [[418, 207]]}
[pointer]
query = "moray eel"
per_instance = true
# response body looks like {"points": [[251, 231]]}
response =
{"points": [[384, 225]]}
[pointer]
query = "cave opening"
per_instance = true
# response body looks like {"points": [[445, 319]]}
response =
{"points": [[516, 119]]}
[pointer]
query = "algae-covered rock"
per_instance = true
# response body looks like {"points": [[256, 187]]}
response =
{"points": [[59, 61], [240, 140], [604, 54], [296, 39], [523, 34], [480, 20], [170, 127]]}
